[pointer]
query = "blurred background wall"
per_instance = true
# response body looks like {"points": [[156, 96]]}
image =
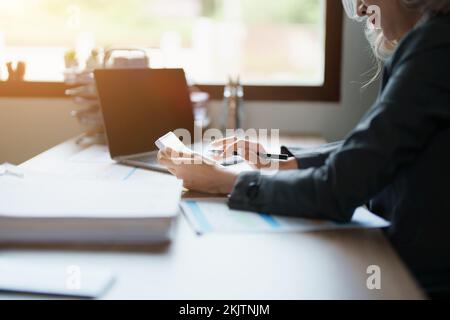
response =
{"points": [[31, 126]]}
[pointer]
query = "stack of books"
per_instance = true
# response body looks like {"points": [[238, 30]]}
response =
{"points": [[84, 95]]}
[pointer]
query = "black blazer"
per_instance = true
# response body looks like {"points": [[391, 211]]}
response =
{"points": [[397, 159]]}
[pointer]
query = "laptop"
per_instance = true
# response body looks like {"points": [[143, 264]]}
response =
{"points": [[139, 106]]}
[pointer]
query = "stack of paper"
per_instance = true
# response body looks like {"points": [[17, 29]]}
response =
{"points": [[67, 210]]}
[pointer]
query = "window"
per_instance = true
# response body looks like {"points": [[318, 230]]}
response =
{"points": [[283, 49]]}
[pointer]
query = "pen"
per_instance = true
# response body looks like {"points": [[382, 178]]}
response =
{"points": [[268, 155], [259, 154], [272, 156]]}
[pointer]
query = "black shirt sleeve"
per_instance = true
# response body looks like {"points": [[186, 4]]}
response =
{"points": [[313, 157], [412, 108]]}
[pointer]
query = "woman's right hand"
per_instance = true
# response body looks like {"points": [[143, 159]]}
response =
{"points": [[249, 150]]}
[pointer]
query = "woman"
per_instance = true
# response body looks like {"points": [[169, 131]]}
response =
{"points": [[397, 159]]}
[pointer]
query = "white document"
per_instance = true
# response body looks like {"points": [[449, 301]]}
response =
{"points": [[95, 163], [50, 209], [213, 215], [73, 198], [93, 154]]}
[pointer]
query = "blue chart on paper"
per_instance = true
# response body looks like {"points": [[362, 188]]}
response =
{"points": [[213, 215]]}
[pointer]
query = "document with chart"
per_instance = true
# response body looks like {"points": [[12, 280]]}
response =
{"points": [[213, 215]]}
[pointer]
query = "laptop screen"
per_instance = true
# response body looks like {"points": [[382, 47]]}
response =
{"points": [[141, 105]]}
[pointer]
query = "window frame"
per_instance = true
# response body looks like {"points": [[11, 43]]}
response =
{"points": [[328, 92]]}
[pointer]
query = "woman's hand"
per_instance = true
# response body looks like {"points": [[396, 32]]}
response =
{"points": [[249, 150], [198, 173]]}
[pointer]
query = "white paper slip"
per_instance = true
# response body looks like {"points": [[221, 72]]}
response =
{"points": [[213, 215], [170, 140], [59, 280]]}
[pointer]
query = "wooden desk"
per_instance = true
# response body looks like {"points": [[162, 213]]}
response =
{"points": [[321, 265]]}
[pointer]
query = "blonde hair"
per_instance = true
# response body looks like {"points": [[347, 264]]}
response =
{"points": [[383, 48]]}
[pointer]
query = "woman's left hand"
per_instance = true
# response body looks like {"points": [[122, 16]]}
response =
{"points": [[198, 173]]}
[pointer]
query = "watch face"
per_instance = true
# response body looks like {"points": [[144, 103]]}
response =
{"points": [[253, 190]]}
